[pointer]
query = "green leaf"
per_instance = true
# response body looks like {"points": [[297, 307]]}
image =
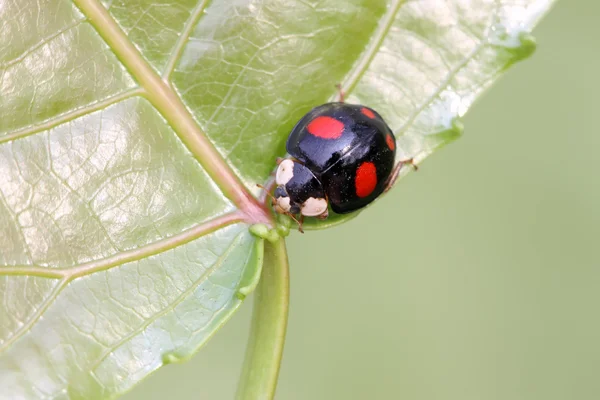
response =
{"points": [[133, 133]]}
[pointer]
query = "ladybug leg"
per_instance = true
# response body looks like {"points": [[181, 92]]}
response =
{"points": [[324, 215], [341, 93], [289, 214], [298, 222], [392, 179]]}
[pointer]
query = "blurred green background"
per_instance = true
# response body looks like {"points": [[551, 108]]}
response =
{"points": [[477, 277]]}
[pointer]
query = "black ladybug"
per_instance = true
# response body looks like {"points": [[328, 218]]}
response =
{"points": [[343, 156]]}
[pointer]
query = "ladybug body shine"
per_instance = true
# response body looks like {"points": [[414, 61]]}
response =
{"points": [[343, 155]]}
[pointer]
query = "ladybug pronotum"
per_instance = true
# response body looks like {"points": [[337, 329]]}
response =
{"points": [[342, 156]]}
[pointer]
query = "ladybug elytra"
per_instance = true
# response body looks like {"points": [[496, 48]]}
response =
{"points": [[342, 156]]}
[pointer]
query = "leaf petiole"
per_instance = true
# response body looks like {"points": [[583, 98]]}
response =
{"points": [[269, 322]]}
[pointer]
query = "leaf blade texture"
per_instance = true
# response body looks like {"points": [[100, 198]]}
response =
{"points": [[133, 133]]}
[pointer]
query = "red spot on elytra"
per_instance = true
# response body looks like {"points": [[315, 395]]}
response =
{"points": [[366, 179], [367, 112], [390, 142], [325, 127]]}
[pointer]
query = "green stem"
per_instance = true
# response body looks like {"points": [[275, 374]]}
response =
{"points": [[269, 321]]}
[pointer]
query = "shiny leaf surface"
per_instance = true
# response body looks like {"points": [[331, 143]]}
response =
{"points": [[133, 133]]}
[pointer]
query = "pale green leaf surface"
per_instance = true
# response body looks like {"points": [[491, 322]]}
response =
{"points": [[155, 27], [250, 72], [41, 76], [123, 233], [120, 324]]}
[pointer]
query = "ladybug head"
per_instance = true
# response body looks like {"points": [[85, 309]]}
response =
{"points": [[299, 191]]}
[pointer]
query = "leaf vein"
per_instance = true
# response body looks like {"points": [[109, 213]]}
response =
{"points": [[172, 108], [371, 51], [451, 74], [68, 116], [35, 317], [148, 321], [73, 272], [183, 38], [38, 45]]}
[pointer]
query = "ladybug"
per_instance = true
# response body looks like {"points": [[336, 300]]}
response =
{"points": [[342, 157]]}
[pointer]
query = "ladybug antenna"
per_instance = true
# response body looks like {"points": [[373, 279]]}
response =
{"points": [[268, 192]]}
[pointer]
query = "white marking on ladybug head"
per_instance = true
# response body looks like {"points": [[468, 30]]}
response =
{"points": [[283, 205], [314, 207], [285, 172]]}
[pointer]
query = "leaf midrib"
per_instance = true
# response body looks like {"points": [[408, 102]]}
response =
{"points": [[162, 96]]}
